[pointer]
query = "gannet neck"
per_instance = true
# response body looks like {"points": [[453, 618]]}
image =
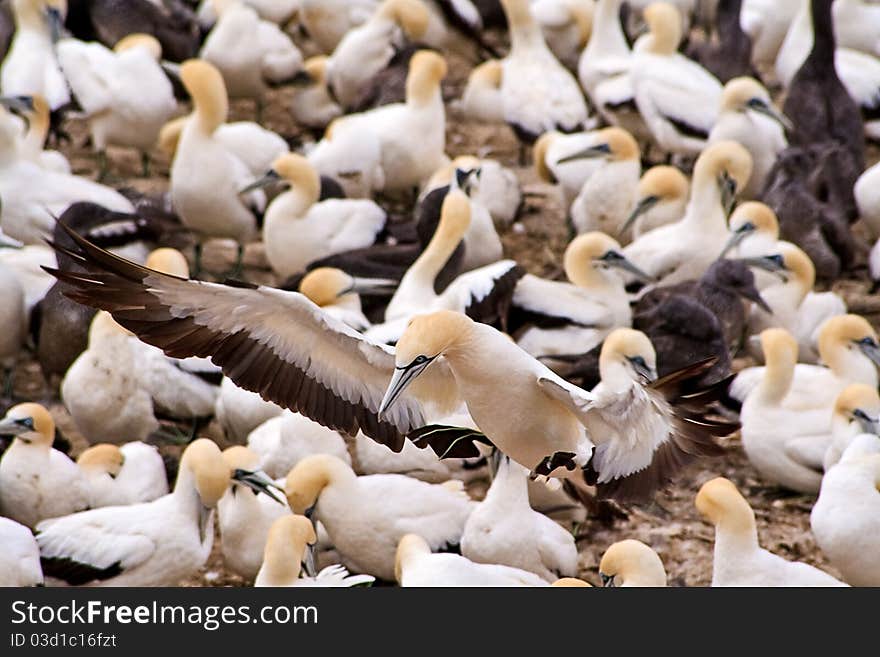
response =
{"points": [[821, 30], [525, 33], [202, 472], [607, 37], [780, 355], [286, 545], [28, 17], [724, 506], [38, 129], [665, 24], [705, 207], [9, 139], [509, 489], [208, 91], [303, 178], [410, 549], [426, 70], [450, 231]]}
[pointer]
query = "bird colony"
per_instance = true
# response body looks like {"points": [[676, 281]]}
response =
{"points": [[439, 292]]}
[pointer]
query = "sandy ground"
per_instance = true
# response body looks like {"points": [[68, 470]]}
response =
{"points": [[671, 525]]}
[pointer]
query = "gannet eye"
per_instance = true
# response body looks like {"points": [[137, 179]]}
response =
{"points": [[419, 360], [26, 422], [746, 227], [756, 102]]}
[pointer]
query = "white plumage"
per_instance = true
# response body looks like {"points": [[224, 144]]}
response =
{"points": [[20, 556], [118, 476]]}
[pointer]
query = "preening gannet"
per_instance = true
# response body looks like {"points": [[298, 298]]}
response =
{"points": [[739, 560], [631, 563], [36, 480], [289, 538], [122, 475], [856, 411], [661, 198]]}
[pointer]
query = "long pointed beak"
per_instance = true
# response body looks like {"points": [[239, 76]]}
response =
{"points": [[735, 240], [204, 518], [56, 23], [644, 204], [259, 482], [269, 178], [774, 114], [599, 150], [728, 192], [171, 68], [18, 104], [309, 561], [754, 296], [403, 377], [607, 580], [869, 424], [766, 263], [371, 286], [627, 265], [871, 350], [10, 427]]}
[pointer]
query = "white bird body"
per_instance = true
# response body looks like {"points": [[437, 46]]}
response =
{"points": [[12, 305], [606, 198], [251, 143], [538, 94], [26, 264], [299, 229], [373, 458], [30, 66], [102, 391], [283, 441], [499, 190], [738, 558], [175, 391], [20, 557], [206, 177], [677, 98], [365, 517], [249, 52], [350, 156], [683, 250], [867, 194], [125, 95], [240, 411], [767, 22], [140, 477], [328, 21], [846, 517], [855, 25], [505, 530], [418, 566], [312, 105], [481, 99], [155, 543], [36, 480], [279, 12], [571, 175], [566, 25]]}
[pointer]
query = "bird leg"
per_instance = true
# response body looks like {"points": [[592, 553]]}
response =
{"points": [[235, 272], [197, 259], [102, 165], [8, 382], [145, 164]]}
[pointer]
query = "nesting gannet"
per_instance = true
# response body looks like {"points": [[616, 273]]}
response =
{"points": [[792, 303], [474, 293], [30, 66], [684, 250], [299, 228], [101, 390], [240, 411], [206, 177], [235, 326], [607, 197], [754, 232], [856, 411], [12, 305], [250, 53], [551, 155], [118, 476], [366, 49], [767, 22], [566, 25], [416, 565], [337, 293], [35, 112], [481, 99], [33, 196], [505, 530], [846, 517], [312, 105], [288, 540], [677, 98], [279, 12], [553, 317], [604, 69], [365, 517], [20, 557], [848, 346], [37, 481], [631, 563], [244, 515], [661, 198], [26, 264], [538, 94], [487, 182], [747, 116], [124, 93], [738, 558], [156, 543], [410, 136], [283, 441], [785, 446], [867, 195], [328, 21]]}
